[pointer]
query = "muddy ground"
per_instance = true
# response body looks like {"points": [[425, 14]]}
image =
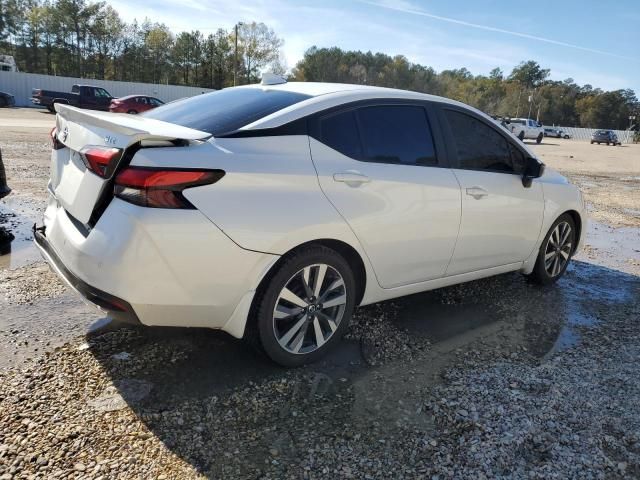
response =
{"points": [[493, 378]]}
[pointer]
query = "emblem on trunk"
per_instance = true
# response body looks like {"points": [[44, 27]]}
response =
{"points": [[65, 134]]}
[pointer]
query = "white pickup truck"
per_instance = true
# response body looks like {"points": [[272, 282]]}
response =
{"points": [[525, 128]]}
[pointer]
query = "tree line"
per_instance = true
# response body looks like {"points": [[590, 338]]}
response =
{"points": [[525, 92], [86, 39]]}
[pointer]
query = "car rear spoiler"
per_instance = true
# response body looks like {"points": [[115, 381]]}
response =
{"points": [[77, 128]]}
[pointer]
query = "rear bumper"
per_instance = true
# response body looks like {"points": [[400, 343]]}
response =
{"points": [[167, 267], [112, 305]]}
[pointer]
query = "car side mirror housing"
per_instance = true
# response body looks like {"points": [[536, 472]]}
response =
{"points": [[533, 169]]}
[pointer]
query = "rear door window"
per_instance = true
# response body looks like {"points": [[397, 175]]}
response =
{"points": [[398, 134], [340, 132]]}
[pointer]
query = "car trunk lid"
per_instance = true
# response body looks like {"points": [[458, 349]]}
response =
{"points": [[75, 183]]}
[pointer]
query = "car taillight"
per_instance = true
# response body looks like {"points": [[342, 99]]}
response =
{"points": [[55, 143], [161, 188], [100, 160]]}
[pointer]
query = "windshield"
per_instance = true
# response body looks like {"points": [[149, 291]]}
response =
{"points": [[226, 110]]}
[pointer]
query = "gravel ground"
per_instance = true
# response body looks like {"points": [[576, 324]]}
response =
{"points": [[491, 379]]}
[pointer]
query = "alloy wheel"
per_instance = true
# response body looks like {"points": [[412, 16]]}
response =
{"points": [[558, 249], [309, 309]]}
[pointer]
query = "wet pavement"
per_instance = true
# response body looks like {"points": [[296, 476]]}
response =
{"points": [[500, 317]]}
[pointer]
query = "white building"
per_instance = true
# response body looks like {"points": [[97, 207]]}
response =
{"points": [[8, 64]]}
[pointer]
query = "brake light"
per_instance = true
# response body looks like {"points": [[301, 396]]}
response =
{"points": [[55, 143], [100, 160], [161, 188]]}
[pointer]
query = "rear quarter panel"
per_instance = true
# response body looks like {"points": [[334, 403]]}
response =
{"points": [[268, 201]]}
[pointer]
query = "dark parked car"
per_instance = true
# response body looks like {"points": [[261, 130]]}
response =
{"points": [[605, 136], [4, 188], [134, 104], [7, 100], [556, 133], [83, 96]]}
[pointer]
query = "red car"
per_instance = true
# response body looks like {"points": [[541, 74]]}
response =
{"points": [[134, 104]]}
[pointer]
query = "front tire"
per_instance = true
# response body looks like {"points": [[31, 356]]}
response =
{"points": [[521, 136], [555, 252], [539, 139], [304, 308]]}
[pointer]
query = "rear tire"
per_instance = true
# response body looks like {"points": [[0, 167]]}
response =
{"points": [[521, 136], [539, 139], [292, 320], [3, 102], [132, 112], [555, 252]]}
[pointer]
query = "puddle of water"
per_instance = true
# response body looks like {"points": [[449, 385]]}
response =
{"points": [[18, 218], [423, 315]]}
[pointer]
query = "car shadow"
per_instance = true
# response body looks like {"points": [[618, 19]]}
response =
{"points": [[228, 411], [541, 143]]}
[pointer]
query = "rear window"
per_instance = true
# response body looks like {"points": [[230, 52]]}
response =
{"points": [[226, 110]]}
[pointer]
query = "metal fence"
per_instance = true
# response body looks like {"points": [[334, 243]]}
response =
{"points": [[20, 85], [625, 136]]}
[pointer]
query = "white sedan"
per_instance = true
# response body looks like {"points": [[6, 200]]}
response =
{"points": [[271, 211]]}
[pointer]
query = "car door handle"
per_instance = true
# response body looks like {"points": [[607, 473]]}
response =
{"points": [[351, 177], [477, 192]]}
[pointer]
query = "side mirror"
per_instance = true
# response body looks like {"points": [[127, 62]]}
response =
{"points": [[533, 169]]}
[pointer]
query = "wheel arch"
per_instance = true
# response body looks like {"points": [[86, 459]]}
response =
{"points": [[577, 220], [349, 253]]}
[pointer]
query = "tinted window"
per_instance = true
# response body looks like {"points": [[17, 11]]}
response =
{"points": [[479, 146], [225, 110], [340, 132], [396, 134], [518, 159]]}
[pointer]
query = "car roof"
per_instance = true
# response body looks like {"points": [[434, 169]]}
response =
{"points": [[128, 97], [327, 95]]}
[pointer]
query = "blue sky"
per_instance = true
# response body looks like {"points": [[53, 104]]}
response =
{"points": [[592, 42]]}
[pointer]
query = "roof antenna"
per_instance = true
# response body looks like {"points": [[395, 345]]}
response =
{"points": [[269, 78]]}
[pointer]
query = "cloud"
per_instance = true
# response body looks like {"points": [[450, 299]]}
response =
{"points": [[405, 7]]}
